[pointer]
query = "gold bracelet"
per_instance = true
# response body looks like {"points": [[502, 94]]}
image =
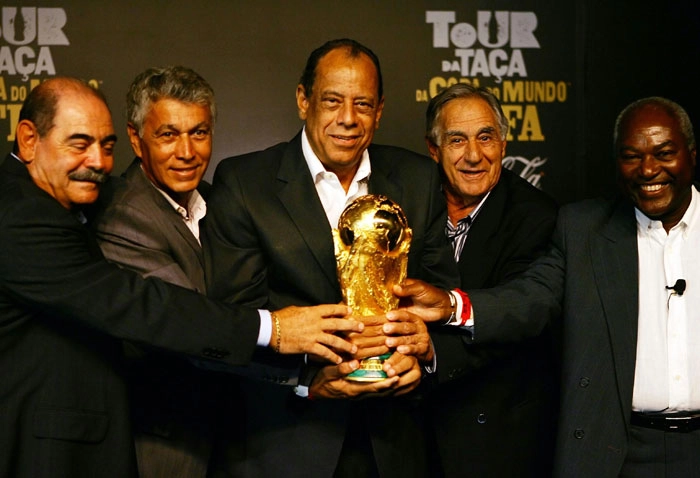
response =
{"points": [[278, 331]]}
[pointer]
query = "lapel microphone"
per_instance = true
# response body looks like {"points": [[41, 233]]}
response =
{"points": [[678, 288]]}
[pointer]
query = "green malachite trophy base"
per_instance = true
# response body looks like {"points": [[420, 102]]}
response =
{"points": [[370, 370]]}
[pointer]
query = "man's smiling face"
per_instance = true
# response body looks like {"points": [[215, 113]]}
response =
{"points": [[343, 110], [656, 167]]}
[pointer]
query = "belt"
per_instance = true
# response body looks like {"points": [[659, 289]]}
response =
{"points": [[677, 422]]}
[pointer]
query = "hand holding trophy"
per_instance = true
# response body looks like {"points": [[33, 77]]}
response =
{"points": [[371, 249]]}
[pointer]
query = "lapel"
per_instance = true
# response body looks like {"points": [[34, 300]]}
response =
{"points": [[297, 194], [481, 248], [381, 180], [154, 199], [615, 265]]}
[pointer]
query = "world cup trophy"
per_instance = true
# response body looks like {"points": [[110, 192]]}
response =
{"points": [[371, 250]]}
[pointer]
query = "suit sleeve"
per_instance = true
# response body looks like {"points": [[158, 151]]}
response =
{"points": [[524, 237], [524, 306], [533, 235], [52, 266]]}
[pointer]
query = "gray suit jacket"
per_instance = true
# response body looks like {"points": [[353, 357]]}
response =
{"points": [[267, 241], [137, 228], [589, 278]]}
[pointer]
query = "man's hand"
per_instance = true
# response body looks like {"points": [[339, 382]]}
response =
{"points": [[408, 334], [403, 371], [407, 368], [310, 330], [330, 383], [429, 303], [372, 341]]}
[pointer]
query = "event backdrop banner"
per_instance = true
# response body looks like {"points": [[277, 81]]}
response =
{"points": [[253, 52]]}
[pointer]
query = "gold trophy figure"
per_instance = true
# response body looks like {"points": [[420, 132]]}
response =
{"points": [[371, 250]]}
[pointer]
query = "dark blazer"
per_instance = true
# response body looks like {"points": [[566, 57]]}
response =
{"points": [[64, 405], [175, 406], [268, 242], [497, 399], [590, 275]]}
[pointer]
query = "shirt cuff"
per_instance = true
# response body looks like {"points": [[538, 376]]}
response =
{"points": [[301, 391], [265, 332], [433, 366]]}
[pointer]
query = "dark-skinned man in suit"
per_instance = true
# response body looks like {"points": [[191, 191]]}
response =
{"points": [[270, 215]]}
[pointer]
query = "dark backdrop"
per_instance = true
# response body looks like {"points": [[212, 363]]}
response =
{"points": [[633, 50], [599, 54]]}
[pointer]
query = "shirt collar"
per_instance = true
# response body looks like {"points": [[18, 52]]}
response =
{"points": [[690, 217], [317, 169], [196, 207]]}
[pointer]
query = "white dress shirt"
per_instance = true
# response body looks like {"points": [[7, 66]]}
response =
{"points": [[667, 372], [195, 211], [331, 193]]}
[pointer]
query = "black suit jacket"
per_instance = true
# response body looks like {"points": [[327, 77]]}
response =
{"points": [[268, 242], [497, 399], [64, 407], [590, 275]]}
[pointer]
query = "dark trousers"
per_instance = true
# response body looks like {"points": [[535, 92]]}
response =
{"points": [[660, 454], [356, 457]]}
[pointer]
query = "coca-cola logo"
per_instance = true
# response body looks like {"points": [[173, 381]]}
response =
{"points": [[528, 169]]}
